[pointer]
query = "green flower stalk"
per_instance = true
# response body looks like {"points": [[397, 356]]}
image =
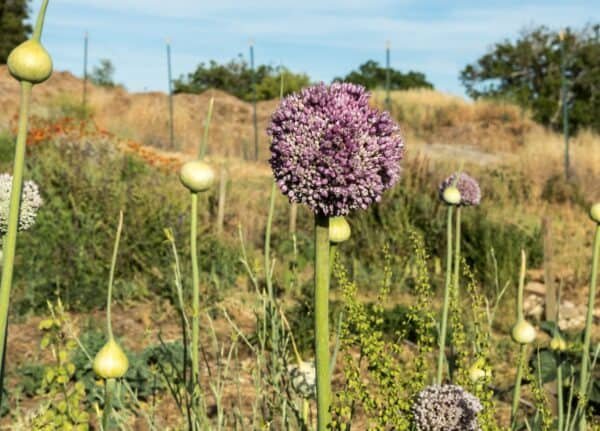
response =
{"points": [[522, 333], [322, 320], [30, 64], [197, 176], [110, 363], [446, 304], [335, 153], [585, 354]]}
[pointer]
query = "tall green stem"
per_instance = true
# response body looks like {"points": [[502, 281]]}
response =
{"points": [[111, 277], [39, 24], [109, 387], [457, 253], [517, 389], [585, 355], [444, 323], [10, 240], [559, 392], [322, 321], [520, 316], [195, 289]]}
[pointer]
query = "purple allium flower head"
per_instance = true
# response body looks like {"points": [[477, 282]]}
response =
{"points": [[470, 193], [332, 151], [446, 408]]}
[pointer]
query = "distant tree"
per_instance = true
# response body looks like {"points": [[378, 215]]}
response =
{"points": [[103, 74], [371, 75], [13, 26], [235, 77], [527, 72]]}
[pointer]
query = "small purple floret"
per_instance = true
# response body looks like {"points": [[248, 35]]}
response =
{"points": [[332, 151], [470, 193]]}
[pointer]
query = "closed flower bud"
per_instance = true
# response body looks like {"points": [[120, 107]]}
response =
{"points": [[451, 195], [339, 229], [197, 176], [111, 362], [595, 212], [558, 343], [30, 62], [523, 332]]}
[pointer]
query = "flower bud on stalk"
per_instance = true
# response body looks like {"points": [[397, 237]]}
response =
{"points": [[111, 362], [30, 62], [197, 176]]}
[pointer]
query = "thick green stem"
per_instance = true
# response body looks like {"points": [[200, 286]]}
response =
{"points": [[457, 253], [559, 392], [10, 240], [39, 25], [517, 389], [111, 277], [521, 288], [585, 355], [322, 321], [109, 387], [195, 289], [445, 307]]}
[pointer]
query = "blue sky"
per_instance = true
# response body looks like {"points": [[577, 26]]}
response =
{"points": [[322, 38]]}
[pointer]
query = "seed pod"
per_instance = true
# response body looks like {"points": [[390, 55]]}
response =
{"points": [[451, 195], [595, 212], [339, 229], [197, 176], [523, 332], [111, 362], [30, 62]]}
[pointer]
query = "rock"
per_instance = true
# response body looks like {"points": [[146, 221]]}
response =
{"points": [[536, 287]]}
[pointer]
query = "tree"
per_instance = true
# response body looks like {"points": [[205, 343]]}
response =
{"points": [[528, 72], [371, 75], [235, 77], [13, 28], [103, 75]]}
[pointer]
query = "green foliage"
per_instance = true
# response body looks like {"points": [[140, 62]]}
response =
{"points": [[382, 379], [64, 409], [7, 148], [84, 186], [103, 74], [558, 190], [14, 28], [528, 72], [414, 204], [371, 75], [235, 77]]}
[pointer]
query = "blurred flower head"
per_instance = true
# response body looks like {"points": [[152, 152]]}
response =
{"points": [[468, 187], [304, 378], [332, 151], [446, 408], [30, 203]]}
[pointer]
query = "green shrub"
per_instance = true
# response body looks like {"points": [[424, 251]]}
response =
{"points": [[67, 253]]}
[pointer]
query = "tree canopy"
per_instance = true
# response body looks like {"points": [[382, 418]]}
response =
{"points": [[235, 77], [528, 72], [13, 26], [371, 75]]}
